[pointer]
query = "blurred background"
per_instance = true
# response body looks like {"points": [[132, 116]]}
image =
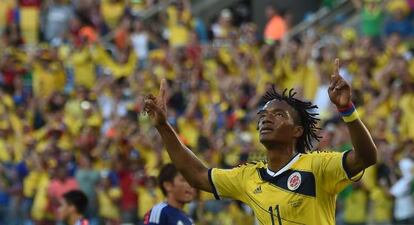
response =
{"points": [[73, 75]]}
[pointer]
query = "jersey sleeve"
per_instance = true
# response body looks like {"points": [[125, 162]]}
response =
{"points": [[227, 183], [331, 171]]}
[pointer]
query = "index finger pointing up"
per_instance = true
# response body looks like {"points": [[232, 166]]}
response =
{"points": [[163, 87], [336, 70]]}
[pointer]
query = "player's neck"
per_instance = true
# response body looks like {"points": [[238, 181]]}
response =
{"points": [[279, 157], [74, 218], [174, 203]]}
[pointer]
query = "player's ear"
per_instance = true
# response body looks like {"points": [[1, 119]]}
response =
{"points": [[168, 186], [297, 131]]}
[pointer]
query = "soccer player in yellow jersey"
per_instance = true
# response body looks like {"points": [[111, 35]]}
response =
{"points": [[295, 185]]}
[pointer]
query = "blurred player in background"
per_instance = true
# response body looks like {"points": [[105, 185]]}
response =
{"points": [[178, 192], [294, 186], [72, 208]]}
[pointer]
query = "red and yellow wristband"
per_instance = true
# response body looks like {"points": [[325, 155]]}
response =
{"points": [[349, 113]]}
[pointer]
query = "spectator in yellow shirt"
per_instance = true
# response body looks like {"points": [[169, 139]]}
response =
{"points": [[83, 65], [356, 208], [108, 200], [48, 74], [148, 195], [382, 204], [5, 8], [112, 11], [122, 66], [179, 23], [29, 19]]}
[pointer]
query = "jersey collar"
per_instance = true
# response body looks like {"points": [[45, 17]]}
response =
{"points": [[286, 167], [82, 222]]}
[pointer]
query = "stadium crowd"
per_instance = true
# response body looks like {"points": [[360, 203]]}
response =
{"points": [[73, 75]]}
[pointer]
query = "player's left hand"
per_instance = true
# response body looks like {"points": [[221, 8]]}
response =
{"points": [[339, 90]]}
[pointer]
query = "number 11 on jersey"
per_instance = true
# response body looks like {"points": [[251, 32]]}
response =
{"points": [[277, 212]]}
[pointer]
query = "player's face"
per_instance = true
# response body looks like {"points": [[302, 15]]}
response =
{"points": [[64, 210], [181, 190], [276, 123]]}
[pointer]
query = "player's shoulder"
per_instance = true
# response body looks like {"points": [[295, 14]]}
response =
{"points": [[253, 165], [245, 168], [159, 207], [157, 212], [320, 154], [250, 168]]}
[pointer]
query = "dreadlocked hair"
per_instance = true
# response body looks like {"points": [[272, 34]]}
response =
{"points": [[307, 119]]}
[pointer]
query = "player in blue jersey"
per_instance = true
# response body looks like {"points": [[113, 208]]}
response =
{"points": [[72, 208], [178, 192]]}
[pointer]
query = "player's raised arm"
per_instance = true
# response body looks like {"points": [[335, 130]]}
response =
{"points": [[365, 151], [194, 171]]}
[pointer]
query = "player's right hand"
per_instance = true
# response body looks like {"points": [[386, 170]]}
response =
{"points": [[156, 107]]}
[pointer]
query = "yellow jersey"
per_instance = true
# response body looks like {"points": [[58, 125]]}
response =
{"points": [[109, 208], [382, 205], [302, 192], [356, 206]]}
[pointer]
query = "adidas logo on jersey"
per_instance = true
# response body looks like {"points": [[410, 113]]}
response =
{"points": [[258, 190]]}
